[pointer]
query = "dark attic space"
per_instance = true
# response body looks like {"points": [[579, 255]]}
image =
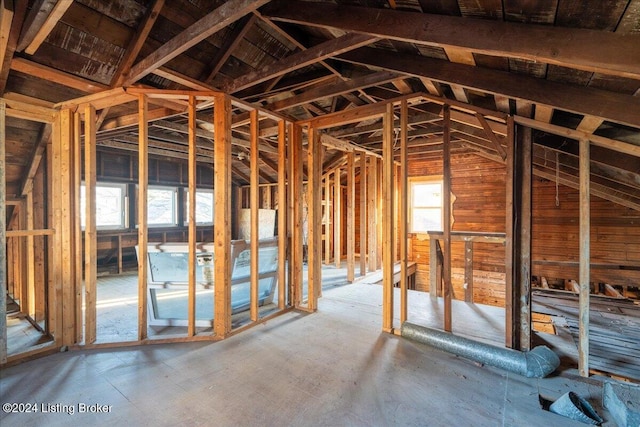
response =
{"points": [[320, 212]]}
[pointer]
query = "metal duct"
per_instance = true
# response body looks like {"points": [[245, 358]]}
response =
{"points": [[537, 363]]}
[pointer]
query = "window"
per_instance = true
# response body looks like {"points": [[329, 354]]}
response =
{"points": [[204, 207], [425, 206], [162, 206], [110, 206]]}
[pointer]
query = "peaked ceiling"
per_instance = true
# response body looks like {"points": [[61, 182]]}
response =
{"points": [[572, 66]]}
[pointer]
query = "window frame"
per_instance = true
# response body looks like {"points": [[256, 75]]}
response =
{"points": [[426, 179], [186, 206], [175, 213], [124, 202]]}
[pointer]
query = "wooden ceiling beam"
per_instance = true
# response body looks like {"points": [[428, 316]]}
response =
{"points": [[333, 89], [615, 107], [49, 24], [18, 14], [230, 44], [583, 49], [6, 17], [56, 76], [299, 60], [221, 17], [136, 43], [34, 20]]}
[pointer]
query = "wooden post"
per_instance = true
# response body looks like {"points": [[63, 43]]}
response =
{"points": [[351, 217], [379, 210], [77, 226], [388, 221], [65, 228], [54, 300], [3, 236], [282, 212], [372, 213], [403, 208], [192, 172], [510, 333], [468, 271], [90, 232], [446, 220], [255, 200], [143, 180], [314, 168], [363, 214], [518, 238], [222, 229], [337, 218], [327, 218], [296, 205], [30, 257], [585, 255]]}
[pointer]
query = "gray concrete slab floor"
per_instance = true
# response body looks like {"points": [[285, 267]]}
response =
{"points": [[331, 368]]}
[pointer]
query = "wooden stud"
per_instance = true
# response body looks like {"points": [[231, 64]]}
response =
{"points": [[510, 332], [468, 271], [328, 211], [66, 229], [446, 220], [90, 231], [76, 224], [337, 218], [30, 258], [585, 247], [222, 229], [3, 237], [363, 214], [296, 207], [388, 220], [143, 181], [314, 172], [255, 207], [351, 216], [379, 211], [403, 201], [192, 173], [525, 148], [282, 212], [372, 212]]}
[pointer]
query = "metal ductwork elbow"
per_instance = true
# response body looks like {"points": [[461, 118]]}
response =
{"points": [[537, 363]]}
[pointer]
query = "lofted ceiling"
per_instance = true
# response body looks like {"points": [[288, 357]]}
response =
{"points": [[572, 67]]}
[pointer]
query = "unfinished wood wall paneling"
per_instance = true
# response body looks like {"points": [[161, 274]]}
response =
{"points": [[296, 210], [3, 236], [388, 247], [143, 182], [283, 212], [314, 197], [403, 200], [372, 202], [337, 218], [351, 216], [446, 214], [222, 229], [90, 228], [255, 206], [192, 172], [66, 228], [363, 213], [585, 258]]}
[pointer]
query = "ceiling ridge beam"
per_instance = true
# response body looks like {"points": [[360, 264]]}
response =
{"points": [[611, 106], [299, 60], [336, 89], [210, 24], [584, 49]]}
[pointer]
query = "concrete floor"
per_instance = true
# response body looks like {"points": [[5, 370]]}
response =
{"points": [[333, 367]]}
